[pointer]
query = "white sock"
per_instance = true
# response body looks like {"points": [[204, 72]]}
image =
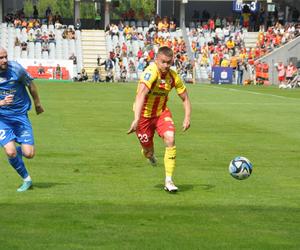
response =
{"points": [[28, 178], [168, 178]]}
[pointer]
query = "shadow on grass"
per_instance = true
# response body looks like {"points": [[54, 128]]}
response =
{"points": [[47, 184], [188, 187], [206, 186]]}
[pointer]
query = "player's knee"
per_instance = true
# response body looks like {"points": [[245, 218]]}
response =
{"points": [[28, 154], [169, 138], [11, 153]]}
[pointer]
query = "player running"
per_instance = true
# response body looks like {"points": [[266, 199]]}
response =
{"points": [[15, 126], [151, 113]]}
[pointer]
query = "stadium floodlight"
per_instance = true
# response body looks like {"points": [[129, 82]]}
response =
{"points": [[239, 1], [184, 1]]}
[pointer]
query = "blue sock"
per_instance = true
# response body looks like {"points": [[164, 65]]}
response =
{"points": [[18, 164], [19, 152]]}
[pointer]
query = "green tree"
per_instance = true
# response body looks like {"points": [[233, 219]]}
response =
{"points": [[147, 6], [87, 10], [63, 7]]}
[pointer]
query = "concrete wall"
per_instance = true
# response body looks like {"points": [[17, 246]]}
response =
{"points": [[1, 11], [283, 54], [12, 5]]}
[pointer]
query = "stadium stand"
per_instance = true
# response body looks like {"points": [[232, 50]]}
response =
{"points": [[131, 45], [211, 46], [42, 42]]}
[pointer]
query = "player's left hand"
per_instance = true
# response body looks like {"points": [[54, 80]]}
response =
{"points": [[39, 109], [186, 125]]}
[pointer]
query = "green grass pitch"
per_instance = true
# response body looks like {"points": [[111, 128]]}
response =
{"points": [[93, 190]]}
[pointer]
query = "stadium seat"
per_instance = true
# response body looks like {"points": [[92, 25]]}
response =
{"points": [[192, 25], [58, 34], [3, 25], [121, 37], [141, 44], [51, 27], [140, 29], [30, 47], [17, 52], [45, 55], [11, 36], [38, 50], [24, 54], [125, 62], [135, 47], [18, 33], [109, 45], [65, 48], [145, 24], [51, 51], [71, 45], [58, 49], [78, 51], [77, 35], [115, 40], [44, 28], [146, 28]]}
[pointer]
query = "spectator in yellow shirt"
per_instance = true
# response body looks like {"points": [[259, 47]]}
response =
{"points": [[233, 62], [230, 44], [225, 62]]}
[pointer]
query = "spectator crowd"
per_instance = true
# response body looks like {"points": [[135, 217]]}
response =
{"points": [[132, 45]]}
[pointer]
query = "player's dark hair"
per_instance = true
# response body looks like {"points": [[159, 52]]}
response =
{"points": [[165, 51]]}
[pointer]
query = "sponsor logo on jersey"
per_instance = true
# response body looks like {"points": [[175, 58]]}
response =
{"points": [[8, 92], [147, 76]]}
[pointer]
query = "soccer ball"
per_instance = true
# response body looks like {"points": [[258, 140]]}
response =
{"points": [[240, 168]]}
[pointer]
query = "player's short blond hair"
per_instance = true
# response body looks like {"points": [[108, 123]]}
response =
{"points": [[164, 50], [2, 48]]}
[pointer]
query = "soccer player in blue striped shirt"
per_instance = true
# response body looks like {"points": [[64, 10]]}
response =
{"points": [[15, 126]]}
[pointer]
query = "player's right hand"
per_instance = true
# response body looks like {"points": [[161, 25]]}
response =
{"points": [[186, 125], [8, 100], [132, 127], [39, 109]]}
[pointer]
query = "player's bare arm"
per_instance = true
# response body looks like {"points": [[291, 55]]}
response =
{"points": [[36, 99], [187, 110], [7, 100], [139, 102]]}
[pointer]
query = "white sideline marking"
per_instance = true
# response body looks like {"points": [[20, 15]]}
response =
{"points": [[256, 93], [243, 103]]}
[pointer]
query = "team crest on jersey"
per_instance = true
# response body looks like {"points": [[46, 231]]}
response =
{"points": [[162, 84], [147, 76]]}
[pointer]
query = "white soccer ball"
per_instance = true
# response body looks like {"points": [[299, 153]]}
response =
{"points": [[240, 168]]}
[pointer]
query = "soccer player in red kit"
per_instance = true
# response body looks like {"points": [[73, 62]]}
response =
{"points": [[152, 114]]}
